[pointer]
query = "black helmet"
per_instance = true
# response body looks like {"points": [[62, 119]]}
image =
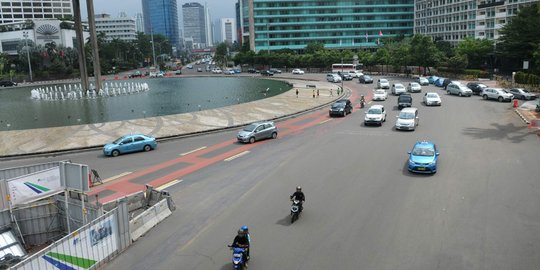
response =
{"points": [[298, 188]]}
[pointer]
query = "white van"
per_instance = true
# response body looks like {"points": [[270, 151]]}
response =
{"points": [[407, 119]]}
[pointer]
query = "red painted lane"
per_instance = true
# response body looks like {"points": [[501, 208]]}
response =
{"points": [[122, 187]]}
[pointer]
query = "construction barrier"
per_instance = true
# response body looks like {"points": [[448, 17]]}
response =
{"points": [[148, 219]]}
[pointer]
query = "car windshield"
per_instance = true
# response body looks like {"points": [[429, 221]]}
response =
{"points": [[367, 77], [399, 86], [117, 141], [250, 128], [432, 96], [338, 105], [383, 81], [406, 115], [380, 92], [423, 151], [374, 111], [414, 84]]}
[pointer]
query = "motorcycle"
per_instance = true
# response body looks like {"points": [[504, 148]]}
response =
{"points": [[238, 257], [295, 210]]}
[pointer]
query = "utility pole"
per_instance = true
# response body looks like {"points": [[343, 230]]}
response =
{"points": [[80, 41], [94, 44], [153, 47], [25, 34]]}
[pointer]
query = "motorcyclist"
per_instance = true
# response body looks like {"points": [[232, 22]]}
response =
{"points": [[299, 195], [241, 240], [245, 229], [362, 101]]}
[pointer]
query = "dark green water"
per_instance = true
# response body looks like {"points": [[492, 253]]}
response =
{"points": [[166, 96]]}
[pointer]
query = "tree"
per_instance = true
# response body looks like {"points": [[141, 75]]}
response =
{"points": [[521, 35], [423, 52], [476, 50], [314, 47], [221, 54], [457, 63]]}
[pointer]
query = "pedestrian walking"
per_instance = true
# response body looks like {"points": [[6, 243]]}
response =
{"points": [[296, 92], [313, 93], [331, 92], [317, 92]]}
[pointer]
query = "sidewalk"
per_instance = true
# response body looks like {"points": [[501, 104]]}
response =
{"points": [[49, 140]]}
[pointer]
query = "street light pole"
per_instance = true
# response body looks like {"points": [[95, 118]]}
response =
{"points": [[153, 49], [25, 34], [268, 37]]}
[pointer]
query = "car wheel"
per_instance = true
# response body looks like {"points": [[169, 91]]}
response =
{"points": [[484, 97], [460, 94], [147, 148], [115, 153], [448, 92], [523, 97], [500, 99], [274, 135], [252, 140]]}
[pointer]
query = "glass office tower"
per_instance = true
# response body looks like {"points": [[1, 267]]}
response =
{"points": [[339, 24], [161, 17]]}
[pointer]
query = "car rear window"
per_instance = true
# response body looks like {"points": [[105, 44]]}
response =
{"points": [[405, 99]]}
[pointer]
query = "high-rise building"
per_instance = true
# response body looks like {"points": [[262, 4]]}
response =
{"points": [[161, 17], [139, 23], [337, 24], [122, 27], [15, 11], [228, 30], [238, 26], [194, 21], [453, 21], [209, 27]]}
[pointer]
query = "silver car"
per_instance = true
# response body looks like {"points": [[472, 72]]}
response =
{"points": [[497, 93], [458, 89], [257, 131]]}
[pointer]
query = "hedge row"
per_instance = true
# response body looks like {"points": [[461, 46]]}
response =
{"points": [[526, 78]]}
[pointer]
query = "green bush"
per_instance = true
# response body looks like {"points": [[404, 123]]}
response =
{"points": [[526, 78]]}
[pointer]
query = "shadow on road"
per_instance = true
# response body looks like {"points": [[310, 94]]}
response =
{"points": [[286, 221], [515, 134], [227, 266]]}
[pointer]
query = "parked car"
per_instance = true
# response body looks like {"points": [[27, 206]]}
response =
{"points": [[257, 131], [497, 93], [228, 71], [365, 79], [189, 66], [341, 107], [332, 77], [178, 72], [407, 119], [414, 87], [458, 89], [275, 70], [439, 82], [432, 79], [217, 71], [423, 157], [199, 69], [345, 76], [447, 81], [422, 81], [130, 143], [237, 70], [297, 71], [251, 70], [383, 84], [404, 100], [267, 73], [398, 89], [136, 74], [375, 115], [521, 93], [477, 88], [380, 94], [7, 83], [432, 99]]}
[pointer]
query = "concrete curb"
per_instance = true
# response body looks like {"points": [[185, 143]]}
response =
{"points": [[523, 118]]}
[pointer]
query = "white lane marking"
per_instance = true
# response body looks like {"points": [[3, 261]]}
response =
{"points": [[236, 156], [327, 120], [193, 151], [116, 177], [170, 184]]}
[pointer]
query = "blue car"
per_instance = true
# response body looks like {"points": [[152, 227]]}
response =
{"points": [[439, 82], [423, 158], [432, 79], [130, 143]]}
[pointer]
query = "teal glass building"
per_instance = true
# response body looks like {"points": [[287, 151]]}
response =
{"points": [[339, 24]]}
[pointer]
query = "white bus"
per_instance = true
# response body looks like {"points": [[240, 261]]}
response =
{"points": [[345, 68]]}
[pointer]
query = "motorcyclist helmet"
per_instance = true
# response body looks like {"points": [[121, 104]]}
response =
{"points": [[240, 232], [244, 228], [298, 188]]}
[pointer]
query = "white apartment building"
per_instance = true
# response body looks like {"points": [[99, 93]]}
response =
{"points": [[121, 27], [16, 11], [139, 22], [228, 30], [453, 20]]}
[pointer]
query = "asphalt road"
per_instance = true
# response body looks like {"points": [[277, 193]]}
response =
{"points": [[363, 209]]}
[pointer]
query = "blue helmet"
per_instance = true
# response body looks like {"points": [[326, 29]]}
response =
{"points": [[244, 228]]}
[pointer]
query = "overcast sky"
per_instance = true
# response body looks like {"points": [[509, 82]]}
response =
{"points": [[218, 8]]}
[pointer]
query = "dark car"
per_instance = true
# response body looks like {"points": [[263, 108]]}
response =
{"points": [[341, 107], [275, 71], [345, 76], [178, 72], [404, 100], [520, 93], [365, 79], [252, 70], [446, 82], [267, 73], [136, 74], [476, 88], [7, 83]]}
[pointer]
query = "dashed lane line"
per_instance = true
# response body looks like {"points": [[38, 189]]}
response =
{"points": [[116, 177], [237, 156], [169, 184], [193, 151]]}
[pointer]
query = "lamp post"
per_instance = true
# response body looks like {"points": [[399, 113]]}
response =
{"points": [[153, 49], [25, 35], [268, 37]]}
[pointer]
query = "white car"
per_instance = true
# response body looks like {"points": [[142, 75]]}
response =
{"points": [[375, 115], [380, 94], [497, 93], [356, 73], [414, 87], [297, 71], [228, 71], [407, 119], [398, 89], [383, 84], [217, 71], [332, 77], [431, 99]]}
